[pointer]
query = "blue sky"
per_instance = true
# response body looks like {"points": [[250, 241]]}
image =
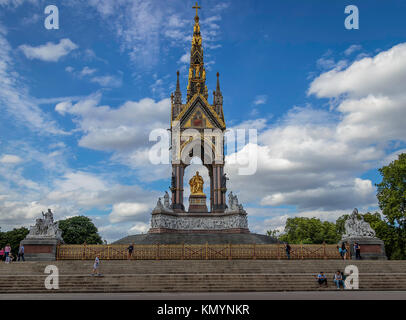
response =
{"points": [[78, 103]]}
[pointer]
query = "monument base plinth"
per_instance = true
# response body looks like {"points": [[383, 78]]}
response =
{"points": [[197, 203], [371, 248], [40, 249], [199, 222]]}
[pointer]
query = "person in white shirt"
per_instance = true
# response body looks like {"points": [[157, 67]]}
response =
{"points": [[96, 266]]}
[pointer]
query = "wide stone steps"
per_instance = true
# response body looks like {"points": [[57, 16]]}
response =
{"points": [[198, 276], [192, 282], [238, 266]]}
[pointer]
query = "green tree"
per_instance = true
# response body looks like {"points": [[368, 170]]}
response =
{"points": [[392, 201], [384, 231], [78, 230], [309, 231], [13, 237]]}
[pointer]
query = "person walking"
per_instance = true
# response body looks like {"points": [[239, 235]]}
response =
{"points": [[21, 253], [96, 266], [7, 251], [130, 251], [288, 249], [357, 249], [343, 251], [1, 254]]}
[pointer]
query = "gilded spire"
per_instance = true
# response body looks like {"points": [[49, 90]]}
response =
{"points": [[197, 72]]}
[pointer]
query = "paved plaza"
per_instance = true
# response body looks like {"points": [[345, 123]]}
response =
{"points": [[304, 295]]}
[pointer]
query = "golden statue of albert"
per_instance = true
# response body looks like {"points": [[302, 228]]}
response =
{"points": [[196, 184]]}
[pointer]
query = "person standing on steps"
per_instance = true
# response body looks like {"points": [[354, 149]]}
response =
{"points": [[130, 251], [288, 249], [96, 266], [343, 251], [7, 251]]}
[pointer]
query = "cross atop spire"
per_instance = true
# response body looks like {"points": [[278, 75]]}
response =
{"points": [[196, 7], [197, 72]]}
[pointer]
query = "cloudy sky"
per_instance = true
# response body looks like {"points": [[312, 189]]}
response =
{"points": [[78, 103]]}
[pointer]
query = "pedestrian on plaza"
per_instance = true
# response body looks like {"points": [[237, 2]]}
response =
{"points": [[9, 258], [21, 253], [96, 266], [7, 251], [343, 251], [2, 254], [130, 251], [357, 249], [288, 250]]}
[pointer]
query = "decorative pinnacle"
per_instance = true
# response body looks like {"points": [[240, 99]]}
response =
{"points": [[177, 81]]}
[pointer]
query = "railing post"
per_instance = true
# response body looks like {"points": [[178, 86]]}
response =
{"points": [[229, 251], [254, 257], [324, 250], [279, 256], [207, 248], [301, 246], [157, 251], [183, 251]]}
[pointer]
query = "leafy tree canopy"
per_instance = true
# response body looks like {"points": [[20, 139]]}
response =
{"points": [[392, 201], [78, 230], [308, 230]]}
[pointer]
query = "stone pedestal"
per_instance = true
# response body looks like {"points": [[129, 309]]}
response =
{"points": [[371, 248], [199, 223], [41, 249], [197, 203]]}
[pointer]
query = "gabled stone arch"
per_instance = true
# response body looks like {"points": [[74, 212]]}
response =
{"points": [[201, 148]]}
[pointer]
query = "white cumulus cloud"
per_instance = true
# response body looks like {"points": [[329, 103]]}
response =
{"points": [[50, 51]]}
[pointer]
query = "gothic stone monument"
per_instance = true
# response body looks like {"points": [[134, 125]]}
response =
{"points": [[197, 130], [40, 243], [358, 230]]}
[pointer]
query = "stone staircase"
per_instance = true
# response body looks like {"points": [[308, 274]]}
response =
{"points": [[198, 276]]}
